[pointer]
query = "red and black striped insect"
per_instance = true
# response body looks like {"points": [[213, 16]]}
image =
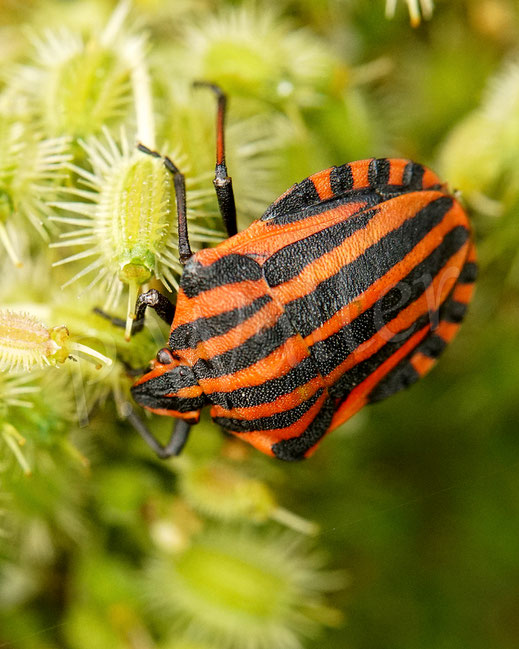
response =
{"points": [[345, 291]]}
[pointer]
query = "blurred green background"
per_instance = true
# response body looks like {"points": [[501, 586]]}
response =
{"points": [[416, 498]]}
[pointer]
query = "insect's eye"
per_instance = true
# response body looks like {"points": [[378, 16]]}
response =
{"points": [[164, 356]]}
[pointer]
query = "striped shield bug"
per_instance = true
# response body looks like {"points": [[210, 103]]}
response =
{"points": [[345, 291]]}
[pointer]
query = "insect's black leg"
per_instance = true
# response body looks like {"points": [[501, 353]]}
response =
{"points": [[176, 442], [222, 181], [178, 438], [153, 299], [184, 249], [156, 301]]}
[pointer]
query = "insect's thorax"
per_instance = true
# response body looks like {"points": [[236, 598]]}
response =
{"points": [[231, 329]]}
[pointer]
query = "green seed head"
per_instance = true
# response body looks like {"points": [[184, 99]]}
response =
{"points": [[127, 228], [31, 167], [239, 588], [80, 84], [250, 50], [26, 343]]}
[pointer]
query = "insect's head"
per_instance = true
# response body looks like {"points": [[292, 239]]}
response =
{"points": [[170, 388]]}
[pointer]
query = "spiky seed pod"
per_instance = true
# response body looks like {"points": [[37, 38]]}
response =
{"points": [[16, 391], [222, 492], [241, 49], [44, 514], [35, 412], [128, 225], [31, 168], [480, 156], [239, 588], [47, 303], [26, 343], [80, 84]]}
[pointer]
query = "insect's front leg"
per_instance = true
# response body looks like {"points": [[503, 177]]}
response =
{"points": [[152, 299], [176, 442]]}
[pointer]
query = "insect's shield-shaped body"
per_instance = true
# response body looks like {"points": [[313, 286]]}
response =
{"points": [[345, 291]]}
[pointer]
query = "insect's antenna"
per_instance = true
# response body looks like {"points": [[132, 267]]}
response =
{"points": [[184, 249], [222, 181]]}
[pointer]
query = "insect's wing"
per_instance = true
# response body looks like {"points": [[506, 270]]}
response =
{"points": [[365, 289], [406, 367]]}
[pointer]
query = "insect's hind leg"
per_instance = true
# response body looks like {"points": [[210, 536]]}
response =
{"points": [[176, 442], [222, 181]]}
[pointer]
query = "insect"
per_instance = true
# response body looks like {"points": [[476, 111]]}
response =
{"points": [[345, 291]]}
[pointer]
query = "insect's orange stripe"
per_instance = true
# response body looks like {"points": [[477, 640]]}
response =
{"points": [[447, 330], [358, 396], [262, 240], [263, 440], [422, 363], [354, 246], [193, 416], [156, 370], [270, 239], [284, 357], [463, 292], [396, 171], [284, 402], [265, 318], [191, 392], [430, 178], [472, 256], [379, 288], [359, 171], [428, 301], [322, 185], [219, 299]]}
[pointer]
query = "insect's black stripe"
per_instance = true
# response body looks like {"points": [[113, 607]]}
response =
{"points": [[378, 172], [454, 311], [360, 372], [229, 269], [272, 422], [249, 352], [310, 311], [401, 377], [332, 351], [168, 403], [341, 179], [295, 448], [289, 261], [412, 178], [364, 197], [151, 393], [469, 273], [268, 391], [433, 346], [187, 336], [298, 197]]}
